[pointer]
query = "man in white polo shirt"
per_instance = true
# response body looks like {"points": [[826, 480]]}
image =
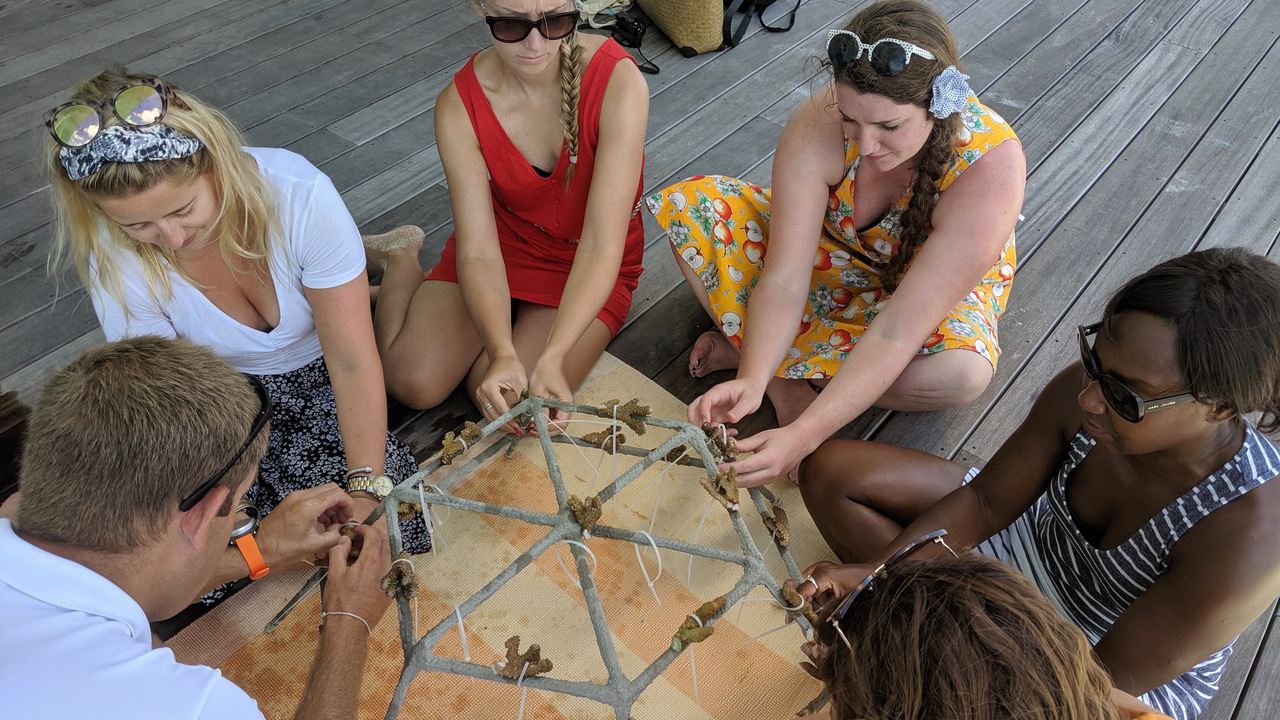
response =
{"points": [[136, 458]]}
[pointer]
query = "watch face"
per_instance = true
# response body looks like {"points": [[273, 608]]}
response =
{"points": [[382, 486]]}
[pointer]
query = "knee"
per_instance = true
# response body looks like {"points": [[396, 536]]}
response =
{"points": [[827, 475], [416, 387], [937, 388]]}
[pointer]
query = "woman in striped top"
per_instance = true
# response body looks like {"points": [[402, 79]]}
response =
{"points": [[1135, 495]]}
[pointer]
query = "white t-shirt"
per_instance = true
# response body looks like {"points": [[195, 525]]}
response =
{"points": [[321, 249], [73, 645]]}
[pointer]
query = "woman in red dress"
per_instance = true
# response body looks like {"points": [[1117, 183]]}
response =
{"points": [[542, 141]]}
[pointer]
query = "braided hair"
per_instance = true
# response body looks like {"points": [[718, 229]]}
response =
{"points": [[570, 85], [919, 24]]}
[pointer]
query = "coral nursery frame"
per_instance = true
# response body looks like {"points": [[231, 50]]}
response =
{"points": [[619, 692]]}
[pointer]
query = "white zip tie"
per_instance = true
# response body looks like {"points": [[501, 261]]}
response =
{"points": [[697, 533], [594, 562], [656, 553], [613, 435], [724, 432], [657, 487], [524, 691], [462, 634], [433, 529], [586, 461], [693, 665]]}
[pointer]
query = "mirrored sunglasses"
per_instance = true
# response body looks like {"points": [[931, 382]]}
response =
{"points": [[1126, 403], [77, 123], [888, 56], [513, 29]]}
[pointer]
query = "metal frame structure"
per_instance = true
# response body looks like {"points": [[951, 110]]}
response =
{"points": [[620, 692]]}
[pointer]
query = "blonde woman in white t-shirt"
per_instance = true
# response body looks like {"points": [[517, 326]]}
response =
{"points": [[178, 230]]}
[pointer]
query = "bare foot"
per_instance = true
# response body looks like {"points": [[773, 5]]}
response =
{"points": [[712, 353], [789, 398], [379, 248]]}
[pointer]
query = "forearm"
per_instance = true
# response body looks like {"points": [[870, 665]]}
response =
{"points": [[231, 567], [488, 301], [962, 513], [773, 314], [334, 686], [591, 280], [361, 400]]}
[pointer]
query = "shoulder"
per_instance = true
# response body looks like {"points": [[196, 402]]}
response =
{"points": [[451, 115], [282, 166], [814, 137]]}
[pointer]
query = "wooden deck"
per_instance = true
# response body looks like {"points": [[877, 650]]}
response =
{"points": [[1151, 127]]}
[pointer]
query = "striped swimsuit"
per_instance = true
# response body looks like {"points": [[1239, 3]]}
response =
{"points": [[1093, 587]]}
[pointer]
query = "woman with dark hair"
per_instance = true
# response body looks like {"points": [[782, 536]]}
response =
{"points": [[895, 193], [963, 638], [1135, 495]]}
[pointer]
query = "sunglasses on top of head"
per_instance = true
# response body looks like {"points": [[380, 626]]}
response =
{"points": [[1125, 402], [829, 626], [514, 28], [141, 103], [888, 56]]}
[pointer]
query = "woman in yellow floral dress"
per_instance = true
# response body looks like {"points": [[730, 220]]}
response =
{"points": [[894, 199]]}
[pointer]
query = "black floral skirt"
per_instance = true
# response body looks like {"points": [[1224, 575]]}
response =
{"points": [[305, 451]]}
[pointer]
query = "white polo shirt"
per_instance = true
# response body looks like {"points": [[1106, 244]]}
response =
{"points": [[73, 645]]}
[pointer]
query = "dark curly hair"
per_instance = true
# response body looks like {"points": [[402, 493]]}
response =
{"points": [[919, 24], [1224, 304]]}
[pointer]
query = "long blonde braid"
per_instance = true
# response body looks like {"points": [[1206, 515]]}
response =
{"points": [[570, 85]]}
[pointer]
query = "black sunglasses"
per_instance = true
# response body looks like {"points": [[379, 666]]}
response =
{"points": [[264, 413], [1125, 402], [513, 29], [830, 625], [888, 56], [141, 103]]}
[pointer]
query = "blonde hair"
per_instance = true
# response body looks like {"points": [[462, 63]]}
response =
{"points": [[124, 432], [246, 211], [570, 85]]}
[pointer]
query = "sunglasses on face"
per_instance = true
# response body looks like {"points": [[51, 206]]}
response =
{"points": [[888, 56], [514, 29], [829, 627], [140, 104], [264, 413], [1125, 402]]}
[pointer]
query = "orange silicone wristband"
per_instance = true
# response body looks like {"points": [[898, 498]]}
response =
{"points": [[253, 556]]}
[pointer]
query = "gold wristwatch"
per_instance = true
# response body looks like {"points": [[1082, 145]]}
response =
{"points": [[379, 486]]}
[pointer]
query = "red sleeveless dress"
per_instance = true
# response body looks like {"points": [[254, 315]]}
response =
{"points": [[539, 219]]}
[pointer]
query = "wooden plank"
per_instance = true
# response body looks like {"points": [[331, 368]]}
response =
{"points": [[28, 381], [175, 52], [53, 54], [1232, 685], [1170, 217], [1021, 34], [32, 338], [1183, 120], [1251, 211], [32, 249], [1262, 690], [23, 293], [48, 23]]}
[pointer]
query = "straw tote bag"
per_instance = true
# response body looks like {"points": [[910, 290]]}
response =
{"points": [[694, 26], [701, 26]]}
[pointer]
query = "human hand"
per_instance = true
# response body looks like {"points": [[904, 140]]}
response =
{"points": [[774, 453], [831, 581], [548, 381], [356, 587], [304, 525], [727, 402], [503, 383], [817, 654]]}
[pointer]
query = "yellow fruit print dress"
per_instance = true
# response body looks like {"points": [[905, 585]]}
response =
{"points": [[720, 226]]}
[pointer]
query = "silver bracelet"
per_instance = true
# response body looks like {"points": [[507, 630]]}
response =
{"points": [[364, 622], [366, 470]]}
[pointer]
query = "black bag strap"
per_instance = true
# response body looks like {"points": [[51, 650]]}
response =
{"points": [[732, 35], [791, 19]]}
